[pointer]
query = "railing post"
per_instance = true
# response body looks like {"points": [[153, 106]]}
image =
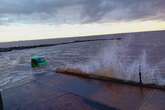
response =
{"points": [[140, 75]]}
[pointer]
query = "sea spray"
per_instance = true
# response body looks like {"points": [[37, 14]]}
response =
{"points": [[115, 61]]}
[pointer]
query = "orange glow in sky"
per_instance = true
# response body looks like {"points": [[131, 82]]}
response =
{"points": [[16, 32]]}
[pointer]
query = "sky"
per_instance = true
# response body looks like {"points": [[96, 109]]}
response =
{"points": [[42, 19]]}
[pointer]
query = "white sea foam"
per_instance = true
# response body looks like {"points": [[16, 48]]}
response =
{"points": [[114, 61]]}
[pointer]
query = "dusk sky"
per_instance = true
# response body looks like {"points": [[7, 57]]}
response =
{"points": [[42, 19]]}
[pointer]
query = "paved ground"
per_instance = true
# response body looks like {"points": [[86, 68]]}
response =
{"points": [[54, 91]]}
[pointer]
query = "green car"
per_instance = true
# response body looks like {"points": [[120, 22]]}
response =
{"points": [[38, 61]]}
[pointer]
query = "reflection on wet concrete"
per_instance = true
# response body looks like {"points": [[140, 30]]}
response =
{"points": [[38, 94], [98, 106]]}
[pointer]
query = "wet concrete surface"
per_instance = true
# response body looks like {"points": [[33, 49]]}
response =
{"points": [[54, 91]]}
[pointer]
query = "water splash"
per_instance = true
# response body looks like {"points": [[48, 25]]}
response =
{"points": [[116, 61]]}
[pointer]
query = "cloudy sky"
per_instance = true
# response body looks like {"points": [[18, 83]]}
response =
{"points": [[38, 19]]}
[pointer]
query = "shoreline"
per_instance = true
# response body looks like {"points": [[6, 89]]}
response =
{"points": [[55, 44]]}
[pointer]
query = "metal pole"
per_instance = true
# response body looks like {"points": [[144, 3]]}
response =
{"points": [[1, 102], [140, 75]]}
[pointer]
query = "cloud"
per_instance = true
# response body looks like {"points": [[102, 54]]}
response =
{"points": [[116, 10], [79, 11]]}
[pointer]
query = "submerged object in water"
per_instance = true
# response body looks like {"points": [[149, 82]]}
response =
{"points": [[38, 61]]}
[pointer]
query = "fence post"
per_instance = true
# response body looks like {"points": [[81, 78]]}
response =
{"points": [[140, 75]]}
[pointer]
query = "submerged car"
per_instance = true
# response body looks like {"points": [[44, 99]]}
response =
{"points": [[38, 61]]}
